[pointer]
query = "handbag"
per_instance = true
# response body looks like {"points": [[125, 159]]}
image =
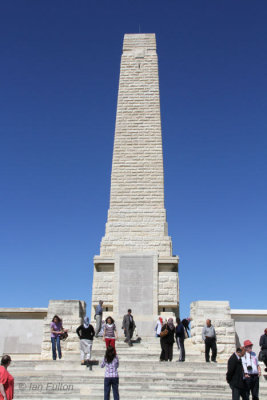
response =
{"points": [[64, 336], [164, 333]]}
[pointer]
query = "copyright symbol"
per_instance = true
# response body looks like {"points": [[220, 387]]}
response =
{"points": [[22, 386]]}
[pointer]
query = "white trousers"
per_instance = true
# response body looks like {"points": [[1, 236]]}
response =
{"points": [[86, 349]]}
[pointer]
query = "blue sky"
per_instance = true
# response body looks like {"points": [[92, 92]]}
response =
{"points": [[59, 76]]}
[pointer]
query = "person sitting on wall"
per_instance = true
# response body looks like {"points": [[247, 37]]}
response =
{"points": [[56, 331], [209, 337], [128, 325], [263, 345], [86, 334], [252, 371], [235, 375], [98, 317], [6, 380]]}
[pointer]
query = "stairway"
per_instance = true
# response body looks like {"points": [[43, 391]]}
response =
{"points": [[142, 376]]}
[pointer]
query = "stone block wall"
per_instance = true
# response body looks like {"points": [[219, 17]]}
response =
{"points": [[103, 288], [168, 294], [137, 217], [220, 315], [72, 313]]}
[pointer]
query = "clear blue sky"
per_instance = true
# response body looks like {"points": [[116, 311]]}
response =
{"points": [[59, 74]]}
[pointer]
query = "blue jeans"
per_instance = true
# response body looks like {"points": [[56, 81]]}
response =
{"points": [[56, 343], [114, 382]]}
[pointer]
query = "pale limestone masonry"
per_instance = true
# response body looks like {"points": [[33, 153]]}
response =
{"points": [[137, 217], [136, 223], [219, 313], [72, 313]]}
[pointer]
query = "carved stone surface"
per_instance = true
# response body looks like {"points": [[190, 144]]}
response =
{"points": [[136, 284], [220, 315], [136, 222], [72, 313]]}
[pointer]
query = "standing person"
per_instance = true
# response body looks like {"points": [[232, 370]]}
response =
{"points": [[86, 335], [98, 317], [111, 362], [209, 337], [158, 326], [167, 340], [180, 336], [6, 380], [128, 325], [252, 371], [186, 322], [235, 375], [56, 331], [110, 332], [263, 344]]}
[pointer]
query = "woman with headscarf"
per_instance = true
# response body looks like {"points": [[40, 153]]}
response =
{"points": [[86, 334], [167, 340]]}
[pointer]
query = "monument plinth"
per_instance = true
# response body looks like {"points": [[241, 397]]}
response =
{"points": [[136, 268]]}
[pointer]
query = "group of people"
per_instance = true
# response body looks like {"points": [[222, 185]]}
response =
{"points": [[169, 334], [243, 366], [86, 334], [243, 370]]}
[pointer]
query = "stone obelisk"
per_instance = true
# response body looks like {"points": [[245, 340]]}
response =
{"points": [[136, 268]]}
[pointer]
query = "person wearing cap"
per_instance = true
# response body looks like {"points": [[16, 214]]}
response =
{"points": [[252, 371], [235, 375], [209, 337], [263, 345]]}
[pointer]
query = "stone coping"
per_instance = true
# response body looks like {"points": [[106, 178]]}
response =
{"points": [[111, 260], [248, 312], [23, 310]]}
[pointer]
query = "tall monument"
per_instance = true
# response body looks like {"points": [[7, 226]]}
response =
{"points": [[136, 268]]}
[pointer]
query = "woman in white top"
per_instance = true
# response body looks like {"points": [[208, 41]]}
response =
{"points": [[158, 326]]}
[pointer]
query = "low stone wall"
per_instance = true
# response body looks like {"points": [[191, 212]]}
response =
{"points": [[249, 324], [219, 314], [21, 330], [72, 313]]}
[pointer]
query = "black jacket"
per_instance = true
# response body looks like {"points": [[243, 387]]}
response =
{"points": [[169, 338], [263, 342], [235, 372], [85, 333], [179, 331]]}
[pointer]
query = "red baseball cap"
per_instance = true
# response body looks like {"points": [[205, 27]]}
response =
{"points": [[247, 343]]}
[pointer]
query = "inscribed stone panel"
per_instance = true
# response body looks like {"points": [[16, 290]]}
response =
{"points": [[136, 284]]}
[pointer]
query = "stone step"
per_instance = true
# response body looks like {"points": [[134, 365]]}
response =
{"points": [[142, 376]]}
